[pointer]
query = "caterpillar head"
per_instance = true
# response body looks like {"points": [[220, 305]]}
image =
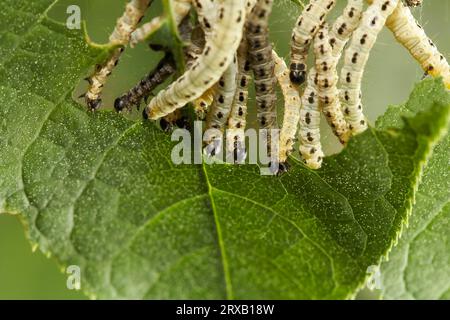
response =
{"points": [[94, 104], [120, 104], [298, 73]]}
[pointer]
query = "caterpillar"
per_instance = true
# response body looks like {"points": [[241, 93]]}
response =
{"points": [[142, 33], [215, 59], [250, 5], [411, 35], [292, 107], [221, 107], [343, 27], [305, 28], [262, 64], [165, 68], [413, 3], [207, 20], [180, 9], [309, 127], [356, 56], [326, 65], [207, 14], [126, 24], [194, 51], [237, 119]]}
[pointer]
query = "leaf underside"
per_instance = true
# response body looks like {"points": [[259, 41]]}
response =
{"points": [[100, 191]]}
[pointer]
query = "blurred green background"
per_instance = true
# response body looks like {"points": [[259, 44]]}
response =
{"points": [[389, 78]]}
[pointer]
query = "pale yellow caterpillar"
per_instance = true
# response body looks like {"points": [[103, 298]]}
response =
{"points": [[206, 10], [134, 11], [143, 32], [410, 34], [192, 53], [309, 127], [221, 107], [207, 15], [305, 28], [126, 24], [356, 57], [262, 64], [216, 57], [180, 9], [326, 65], [343, 27], [237, 119], [292, 105]]}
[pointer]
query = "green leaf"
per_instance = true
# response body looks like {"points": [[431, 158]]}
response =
{"points": [[100, 191], [418, 267]]}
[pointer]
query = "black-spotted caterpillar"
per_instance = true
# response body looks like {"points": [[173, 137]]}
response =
{"points": [[355, 60], [261, 63], [237, 119], [410, 34], [309, 134], [165, 68], [223, 99], [292, 105], [328, 52], [305, 28], [133, 14], [327, 80]]}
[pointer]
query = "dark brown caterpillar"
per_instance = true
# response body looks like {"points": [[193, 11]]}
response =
{"points": [[262, 63], [165, 68]]}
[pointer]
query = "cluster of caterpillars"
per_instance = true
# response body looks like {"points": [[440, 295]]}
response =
{"points": [[229, 46]]}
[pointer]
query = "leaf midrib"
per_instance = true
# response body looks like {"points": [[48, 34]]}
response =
{"points": [[224, 259]]}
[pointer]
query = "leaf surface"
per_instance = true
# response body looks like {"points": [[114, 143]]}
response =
{"points": [[419, 265]]}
